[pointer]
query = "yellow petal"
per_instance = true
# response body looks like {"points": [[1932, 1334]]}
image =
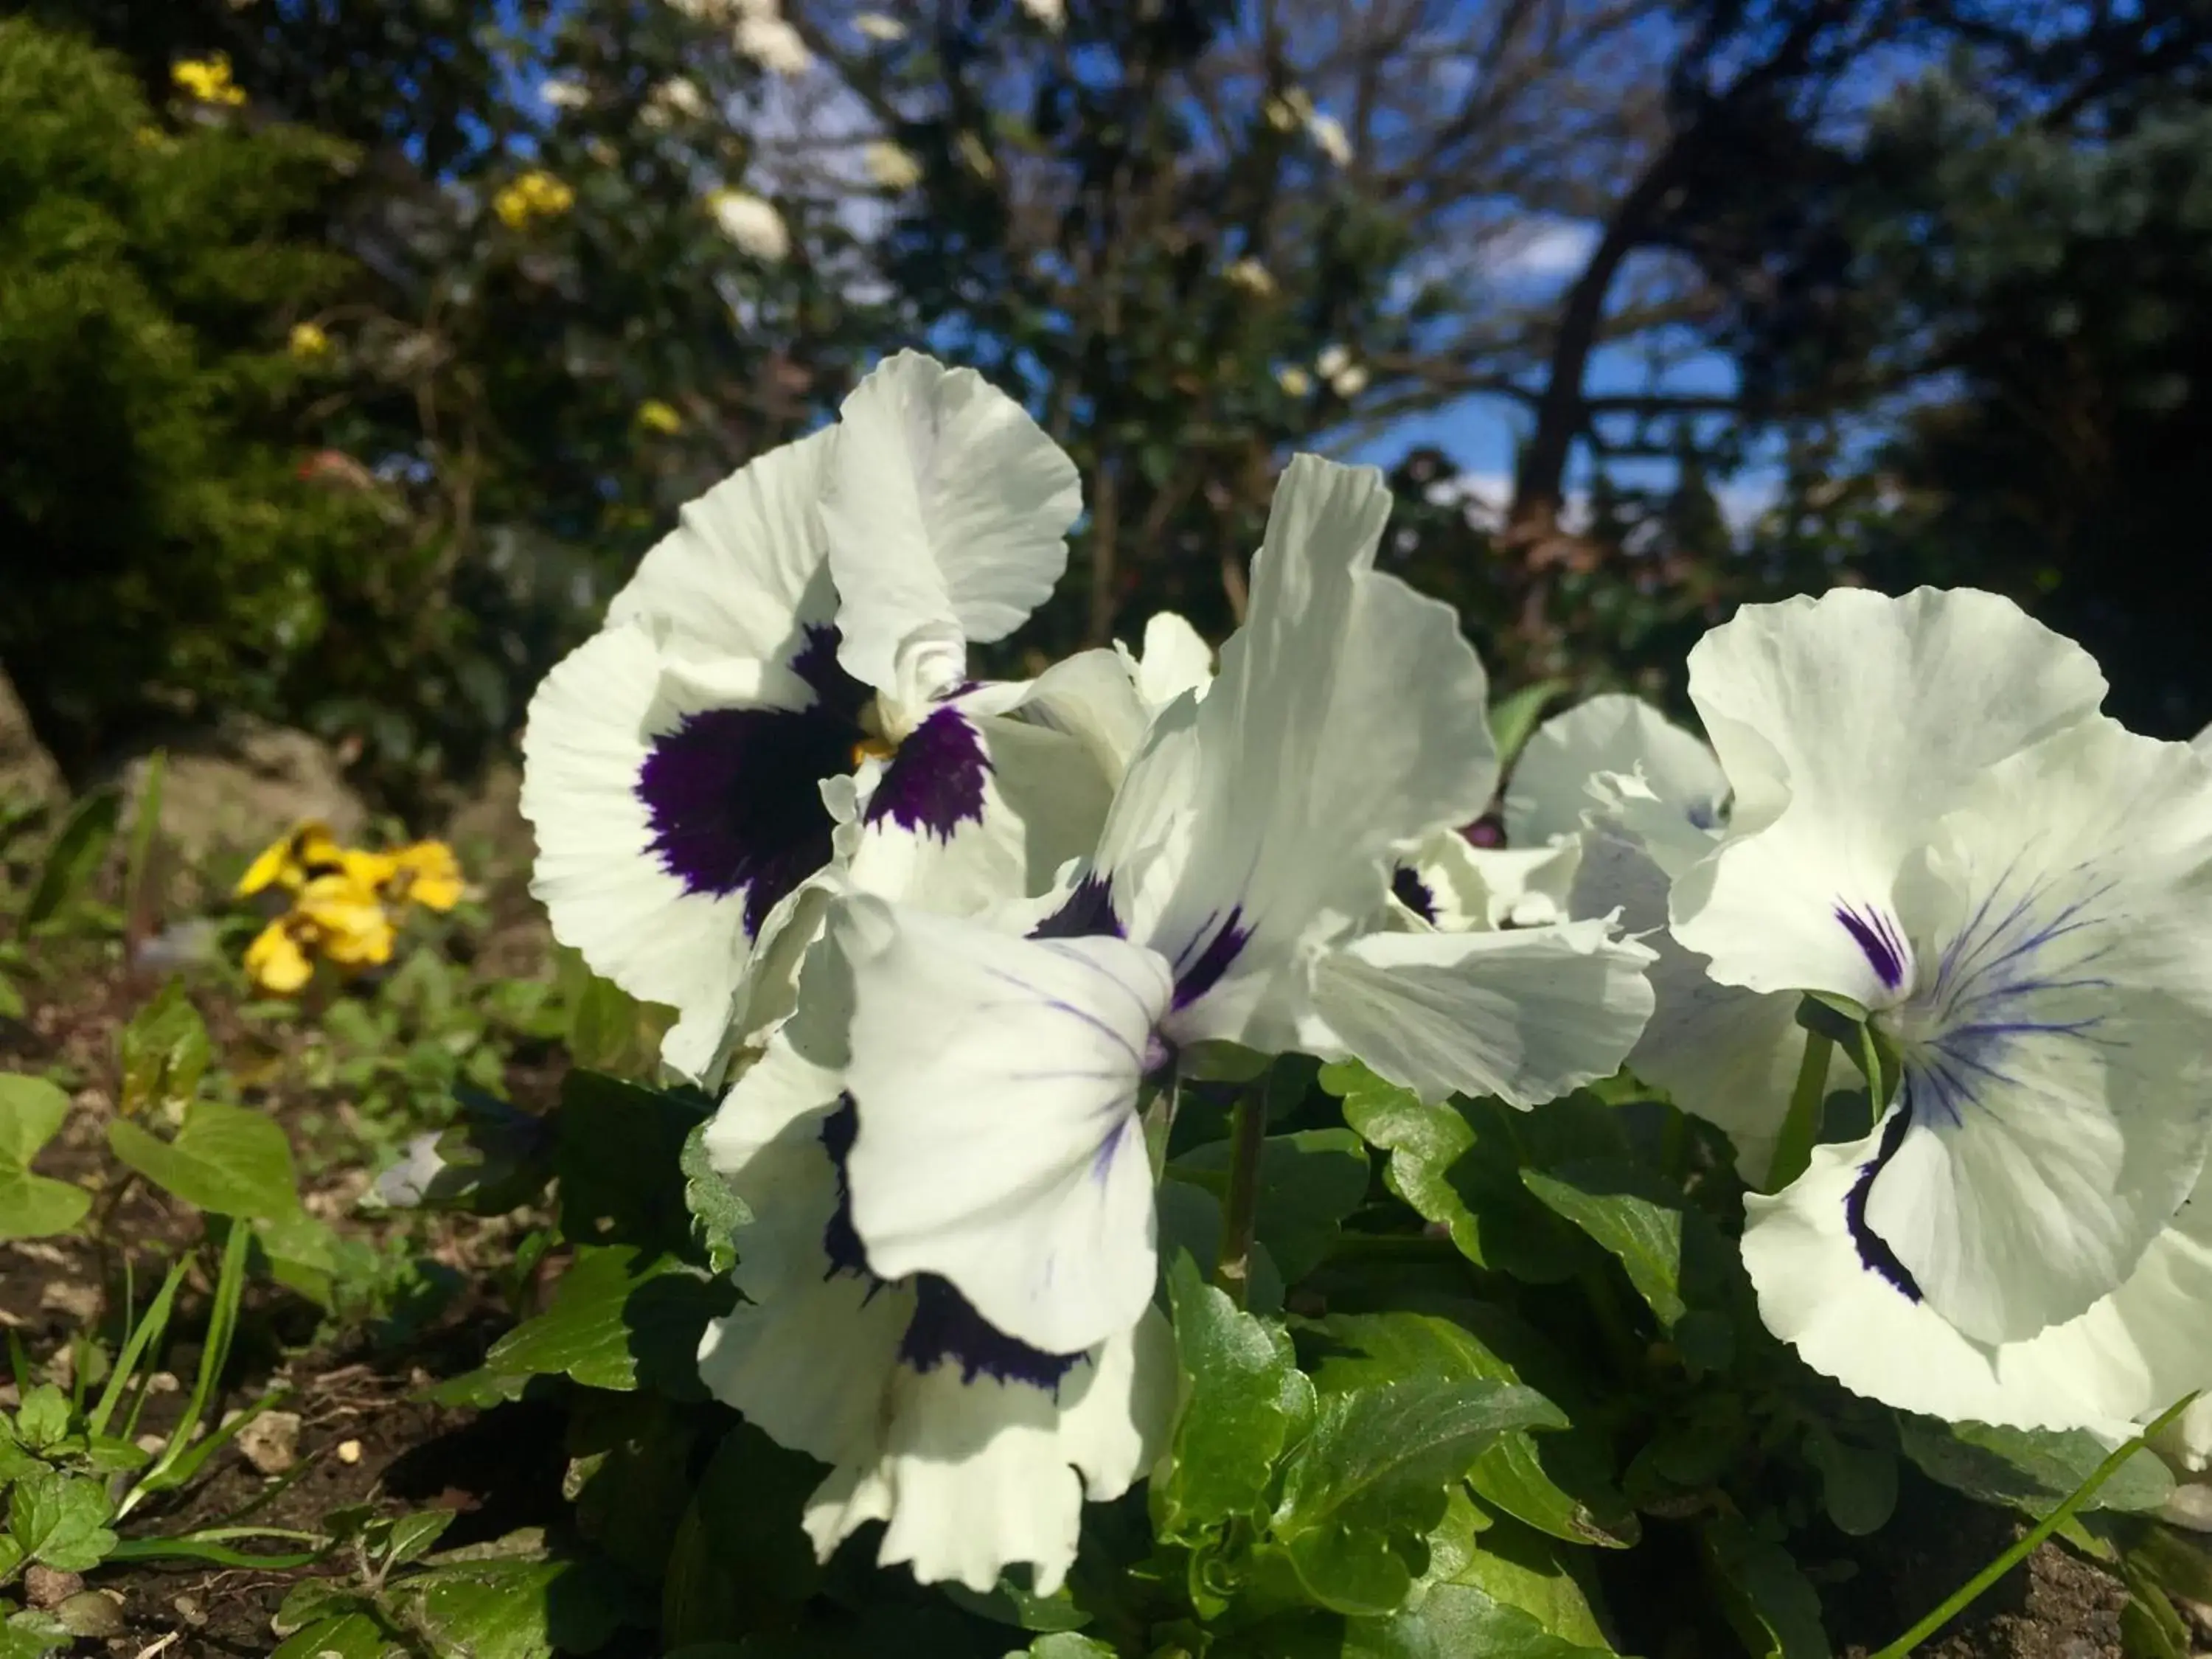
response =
{"points": [[368, 872], [275, 961], [269, 866], [429, 874]]}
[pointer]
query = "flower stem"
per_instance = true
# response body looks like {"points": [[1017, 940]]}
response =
{"points": [[1963, 1596], [1793, 1150], [1240, 1210]]}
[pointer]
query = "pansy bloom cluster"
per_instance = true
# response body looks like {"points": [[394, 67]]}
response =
{"points": [[342, 905], [946, 948]]}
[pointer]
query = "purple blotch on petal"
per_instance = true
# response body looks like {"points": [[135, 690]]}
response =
{"points": [[1200, 964], [934, 783], [1088, 913], [1875, 1253], [841, 1241], [733, 798], [1878, 937], [1413, 893], [946, 1328]]}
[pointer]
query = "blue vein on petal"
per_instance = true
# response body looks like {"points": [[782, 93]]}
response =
{"points": [[732, 795], [1992, 986], [1878, 936], [1875, 1253], [944, 1327], [934, 783]]}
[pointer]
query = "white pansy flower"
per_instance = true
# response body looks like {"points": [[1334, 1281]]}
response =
{"points": [[785, 681], [997, 1078], [889, 166], [1329, 138], [1932, 820], [674, 97], [752, 223], [975, 1452], [763, 36]]}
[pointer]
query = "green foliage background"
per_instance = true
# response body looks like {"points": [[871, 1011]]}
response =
{"points": [[1956, 256]]}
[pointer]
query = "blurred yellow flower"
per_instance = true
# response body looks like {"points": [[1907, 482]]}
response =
{"points": [[345, 904], [654, 416], [532, 196], [891, 167], [308, 344], [1294, 381], [207, 79]]}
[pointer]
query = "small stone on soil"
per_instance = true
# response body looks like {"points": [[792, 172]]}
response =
{"points": [[49, 1587], [348, 1451], [79, 1301], [271, 1441], [92, 1612]]}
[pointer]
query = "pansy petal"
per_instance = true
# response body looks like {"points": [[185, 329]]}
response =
{"points": [[743, 573], [1848, 725], [589, 738], [2057, 1046], [947, 509], [1549, 790], [1824, 1292], [1347, 724], [997, 1080], [971, 813], [1177, 658], [1527, 1014], [1091, 697], [1467, 887], [971, 1479]]}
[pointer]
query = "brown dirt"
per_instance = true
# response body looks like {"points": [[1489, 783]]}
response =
{"points": [[2054, 1605]]}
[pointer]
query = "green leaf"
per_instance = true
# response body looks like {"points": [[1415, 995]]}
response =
{"points": [[2033, 1470], [42, 1421], [32, 1112], [228, 1160], [619, 1319], [1066, 1644], [515, 1609], [1675, 1256], [31, 1635], [165, 1051], [348, 1635], [1243, 1397], [717, 1212], [630, 1476], [1513, 719], [75, 856], [615, 1145], [1309, 1182], [1555, 1481], [1509, 1594], [1773, 1608], [61, 1520], [746, 1509], [609, 1031], [1858, 1484], [1370, 1482], [316, 1601], [1456, 1170]]}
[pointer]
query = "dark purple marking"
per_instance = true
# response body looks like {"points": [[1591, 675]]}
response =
{"points": [[1875, 1253], [935, 781], [733, 798], [841, 1241], [1088, 913], [945, 1328], [732, 795], [1199, 966], [1413, 893], [1878, 937], [1484, 831]]}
